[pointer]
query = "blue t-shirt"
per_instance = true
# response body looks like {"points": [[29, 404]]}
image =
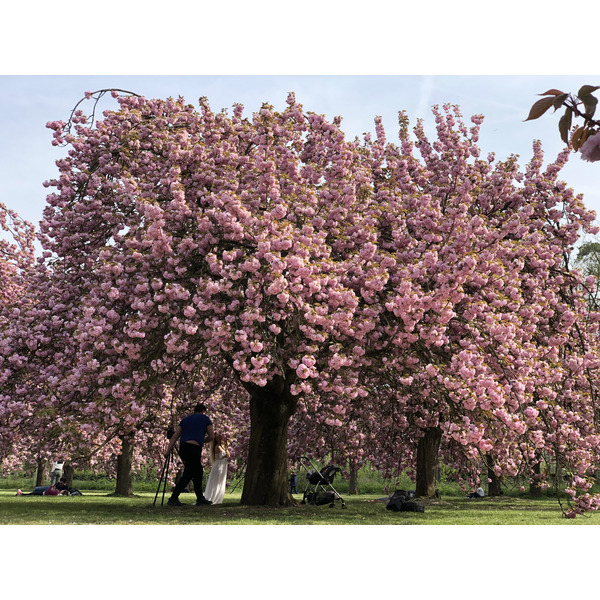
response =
{"points": [[193, 427]]}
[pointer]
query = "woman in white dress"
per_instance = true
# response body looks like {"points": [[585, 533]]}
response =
{"points": [[215, 486]]}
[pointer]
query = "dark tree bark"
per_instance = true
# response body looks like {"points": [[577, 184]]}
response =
{"points": [[534, 487], [69, 473], [124, 461], [353, 484], [427, 462], [266, 481], [495, 485], [40, 472]]}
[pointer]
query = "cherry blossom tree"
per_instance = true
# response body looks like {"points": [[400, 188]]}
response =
{"points": [[17, 259], [509, 327], [16, 256]]}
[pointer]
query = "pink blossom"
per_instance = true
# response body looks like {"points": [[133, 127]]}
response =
{"points": [[590, 150], [302, 371], [256, 346]]}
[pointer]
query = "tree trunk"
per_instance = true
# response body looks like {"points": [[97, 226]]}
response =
{"points": [[39, 473], [495, 485], [266, 481], [535, 490], [427, 462], [68, 474], [124, 461], [353, 485]]}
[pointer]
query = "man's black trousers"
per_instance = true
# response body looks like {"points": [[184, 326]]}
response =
{"points": [[191, 455]]}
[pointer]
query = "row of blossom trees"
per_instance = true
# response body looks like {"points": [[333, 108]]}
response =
{"points": [[390, 302]]}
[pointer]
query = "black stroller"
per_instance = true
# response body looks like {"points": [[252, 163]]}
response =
{"points": [[317, 481]]}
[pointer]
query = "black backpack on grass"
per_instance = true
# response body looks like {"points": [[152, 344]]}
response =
{"points": [[320, 498], [400, 501]]}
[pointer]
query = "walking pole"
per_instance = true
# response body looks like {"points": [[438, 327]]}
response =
{"points": [[164, 473], [165, 470], [169, 460]]}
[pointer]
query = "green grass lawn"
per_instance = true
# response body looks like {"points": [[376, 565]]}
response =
{"points": [[99, 508]]}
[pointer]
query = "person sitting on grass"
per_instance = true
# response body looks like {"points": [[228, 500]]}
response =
{"points": [[478, 493], [62, 487]]}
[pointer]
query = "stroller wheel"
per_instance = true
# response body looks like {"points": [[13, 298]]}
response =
{"points": [[332, 505], [343, 505], [303, 502]]}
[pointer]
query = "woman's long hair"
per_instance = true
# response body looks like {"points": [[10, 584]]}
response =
{"points": [[220, 442]]}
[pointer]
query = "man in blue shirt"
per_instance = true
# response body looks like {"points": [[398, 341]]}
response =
{"points": [[192, 432]]}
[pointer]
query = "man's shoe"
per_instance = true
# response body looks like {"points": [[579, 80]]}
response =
{"points": [[173, 502], [203, 502]]}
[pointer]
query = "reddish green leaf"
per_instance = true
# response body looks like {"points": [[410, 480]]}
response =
{"points": [[585, 90], [551, 92], [539, 108], [576, 139], [558, 100], [564, 125], [585, 136], [590, 103]]}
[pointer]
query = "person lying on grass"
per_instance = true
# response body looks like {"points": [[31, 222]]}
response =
{"points": [[59, 489]]}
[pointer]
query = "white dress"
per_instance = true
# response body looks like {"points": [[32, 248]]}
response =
{"points": [[215, 486]]}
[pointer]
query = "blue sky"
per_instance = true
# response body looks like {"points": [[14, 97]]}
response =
{"points": [[27, 102]]}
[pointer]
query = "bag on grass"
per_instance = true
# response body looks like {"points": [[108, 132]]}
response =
{"points": [[320, 498], [412, 507], [397, 499], [400, 502]]}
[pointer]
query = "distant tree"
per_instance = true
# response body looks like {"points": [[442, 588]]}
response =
{"points": [[17, 257], [588, 259]]}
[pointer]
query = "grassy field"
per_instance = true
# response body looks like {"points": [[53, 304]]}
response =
{"points": [[99, 508]]}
